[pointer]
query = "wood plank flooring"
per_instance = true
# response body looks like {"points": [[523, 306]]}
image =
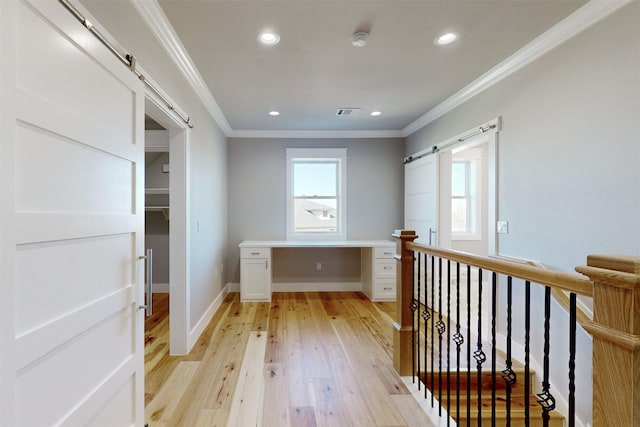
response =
{"points": [[305, 359]]}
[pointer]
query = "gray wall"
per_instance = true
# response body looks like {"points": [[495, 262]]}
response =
{"points": [[299, 265], [569, 156], [207, 173], [257, 181], [156, 237], [156, 226], [569, 146]]}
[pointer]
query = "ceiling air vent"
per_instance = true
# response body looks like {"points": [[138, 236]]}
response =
{"points": [[347, 111]]}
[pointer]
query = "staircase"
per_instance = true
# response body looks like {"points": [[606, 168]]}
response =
{"points": [[517, 399]]}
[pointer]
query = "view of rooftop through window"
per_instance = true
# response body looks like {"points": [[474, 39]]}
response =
{"points": [[315, 192]]}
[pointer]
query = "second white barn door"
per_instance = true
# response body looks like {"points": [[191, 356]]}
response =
{"points": [[421, 180], [71, 225]]}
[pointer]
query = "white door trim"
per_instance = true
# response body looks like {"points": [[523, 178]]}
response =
{"points": [[179, 282], [492, 174]]}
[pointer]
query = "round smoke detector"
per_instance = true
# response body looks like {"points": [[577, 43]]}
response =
{"points": [[359, 39]]}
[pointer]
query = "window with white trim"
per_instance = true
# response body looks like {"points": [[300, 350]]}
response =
{"points": [[460, 197], [465, 194], [316, 193]]}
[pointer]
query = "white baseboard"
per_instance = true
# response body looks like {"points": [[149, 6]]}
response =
{"points": [[160, 288], [306, 287], [317, 287], [197, 330], [422, 399]]}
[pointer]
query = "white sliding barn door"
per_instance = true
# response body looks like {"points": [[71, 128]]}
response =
{"points": [[71, 225], [421, 198]]}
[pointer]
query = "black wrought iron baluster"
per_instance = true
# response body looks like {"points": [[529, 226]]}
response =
{"points": [[508, 374], [545, 398], [426, 315], [527, 350], [459, 340], [413, 306], [448, 339], [433, 332], [416, 301], [494, 303], [572, 360], [479, 355], [468, 345], [440, 328]]}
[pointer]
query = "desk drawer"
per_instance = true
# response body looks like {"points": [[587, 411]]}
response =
{"points": [[255, 252], [385, 268], [386, 289], [384, 252]]}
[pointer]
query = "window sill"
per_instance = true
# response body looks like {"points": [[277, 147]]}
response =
{"points": [[466, 236]]}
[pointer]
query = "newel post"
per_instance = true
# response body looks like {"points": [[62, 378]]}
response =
{"points": [[402, 326], [616, 339]]}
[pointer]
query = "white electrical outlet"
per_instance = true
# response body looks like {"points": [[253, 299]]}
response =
{"points": [[319, 266], [503, 227]]}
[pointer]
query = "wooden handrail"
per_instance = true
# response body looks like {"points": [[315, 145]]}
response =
{"points": [[561, 297], [555, 279], [613, 283]]}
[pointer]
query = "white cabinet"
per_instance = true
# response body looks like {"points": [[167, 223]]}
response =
{"points": [[255, 274], [379, 273]]}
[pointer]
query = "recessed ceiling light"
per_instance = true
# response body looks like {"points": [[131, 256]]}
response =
{"points": [[376, 113], [447, 38], [274, 113], [269, 37]]}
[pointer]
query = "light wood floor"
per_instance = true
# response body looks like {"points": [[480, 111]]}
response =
{"points": [[305, 359]]}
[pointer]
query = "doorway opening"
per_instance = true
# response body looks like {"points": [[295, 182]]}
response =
{"points": [[156, 236], [464, 198], [166, 213], [450, 201]]}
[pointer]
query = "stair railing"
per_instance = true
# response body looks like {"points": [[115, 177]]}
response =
{"points": [[452, 305]]}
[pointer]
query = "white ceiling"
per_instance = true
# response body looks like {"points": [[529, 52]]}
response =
{"points": [[315, 70]]}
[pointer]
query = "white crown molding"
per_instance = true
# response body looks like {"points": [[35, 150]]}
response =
{"points": [[155, 19], [316, 134], [580, 20], [583, 18]]}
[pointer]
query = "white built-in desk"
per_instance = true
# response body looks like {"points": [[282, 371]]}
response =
{"points": [[377, 266]]}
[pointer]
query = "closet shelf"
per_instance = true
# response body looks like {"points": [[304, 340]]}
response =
{"points": [[163, 209], [155, 203], [158, 190]]}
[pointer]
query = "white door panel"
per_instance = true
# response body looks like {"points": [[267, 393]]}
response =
{"points": [[53, 67], [71, 225], [50, 384], [421, 205], [40, 187], [82, 276], [421, 197]]}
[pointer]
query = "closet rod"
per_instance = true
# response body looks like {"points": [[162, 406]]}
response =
{"points": [[128, 60]]}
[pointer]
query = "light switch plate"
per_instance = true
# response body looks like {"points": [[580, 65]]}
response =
{"points": [[165, 168], [503, 227]]}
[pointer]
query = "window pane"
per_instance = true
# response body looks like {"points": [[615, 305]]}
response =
{"points": [[315, 178], [314, 215], [459, 215], [459, 179]]}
